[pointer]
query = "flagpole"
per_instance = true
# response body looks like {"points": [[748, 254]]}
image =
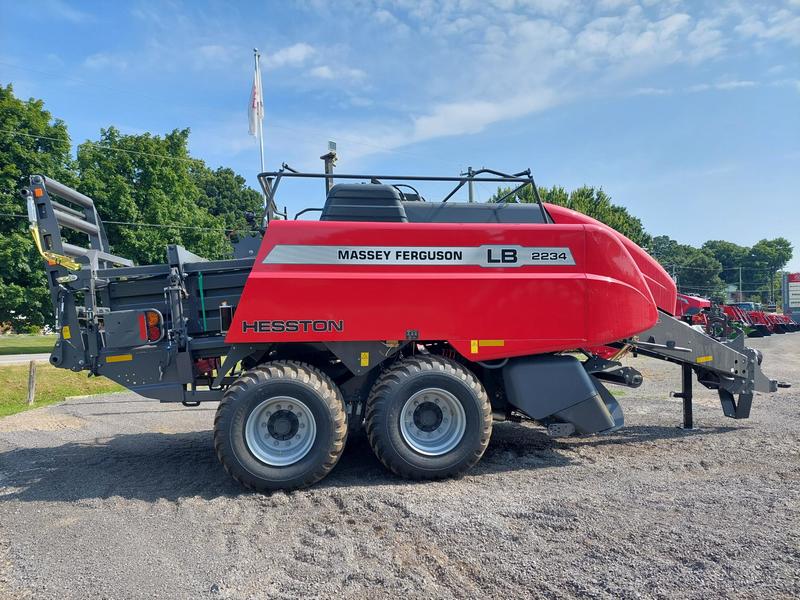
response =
{"points": [[257, 58]]}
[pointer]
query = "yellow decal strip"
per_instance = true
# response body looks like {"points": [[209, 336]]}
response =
{"points": [[704, 359], [492, 343], [65, 332], [474, 345], [119, 358], [365, 359]]}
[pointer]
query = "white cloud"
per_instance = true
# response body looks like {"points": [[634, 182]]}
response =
{"points": [[322, 72], [781, 25], [734, 85], [67, 12], [651, 91], [338, 72], [705, 40], [611, 5], [104, 60], [725, 85], [458, 118], [290, 56]]}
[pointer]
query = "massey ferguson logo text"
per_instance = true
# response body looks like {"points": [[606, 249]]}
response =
{"points": [[493, 255], [318, 326]]}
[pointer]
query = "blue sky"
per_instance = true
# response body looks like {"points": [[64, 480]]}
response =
{"points": [[687, 113]]}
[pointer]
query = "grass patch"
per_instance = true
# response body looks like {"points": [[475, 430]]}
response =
{"points": [[26, 344], [52, 385]]}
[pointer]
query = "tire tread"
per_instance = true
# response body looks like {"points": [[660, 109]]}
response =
{"points": [[377, 405], [293, 371]]}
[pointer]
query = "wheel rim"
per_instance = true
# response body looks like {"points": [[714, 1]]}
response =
{"points": [[432, 422], [280, 431]]}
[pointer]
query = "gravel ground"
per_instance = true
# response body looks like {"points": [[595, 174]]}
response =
{"points": [[120, 497]]}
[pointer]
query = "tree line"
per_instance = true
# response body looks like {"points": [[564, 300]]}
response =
{"points": [[152, 179], [751, 272], [145, 179]]}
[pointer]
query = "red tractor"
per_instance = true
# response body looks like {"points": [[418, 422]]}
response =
{"points": [[420, 321]]}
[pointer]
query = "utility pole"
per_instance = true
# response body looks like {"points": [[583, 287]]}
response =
{"points": [[741, 295]]}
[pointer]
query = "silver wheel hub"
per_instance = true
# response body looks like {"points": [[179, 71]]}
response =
{"points": [[432, 422], [280, 431]]}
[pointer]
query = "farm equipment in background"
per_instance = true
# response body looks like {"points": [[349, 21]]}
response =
{"points": [[768, 322], [709, 317], [420, 321], [741, 319]]}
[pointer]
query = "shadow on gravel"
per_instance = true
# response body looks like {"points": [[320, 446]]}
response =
{"points": [[645, 433], [171, 466]]}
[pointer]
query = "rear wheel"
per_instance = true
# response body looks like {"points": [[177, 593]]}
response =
{"points": [[282, 425], [428, 418]]}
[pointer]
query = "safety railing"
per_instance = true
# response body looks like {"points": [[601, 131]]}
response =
{"points": [[47, 218]]}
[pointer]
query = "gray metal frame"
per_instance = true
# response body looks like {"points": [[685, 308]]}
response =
{"points": [[727, 366], [270, 180]]}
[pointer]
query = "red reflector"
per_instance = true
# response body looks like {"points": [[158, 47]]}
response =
{"points": [[142, 328]]}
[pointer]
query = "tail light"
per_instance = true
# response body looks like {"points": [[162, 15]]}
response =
{"points": [[151, 326], [225, 316]]}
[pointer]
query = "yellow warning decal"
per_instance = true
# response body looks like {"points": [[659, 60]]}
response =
{"points": [[119, 358], [474, 345], [65, 332], [705, 359], [491, 343], [365, 359]]}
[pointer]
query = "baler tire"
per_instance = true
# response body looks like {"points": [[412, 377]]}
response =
{"points": [[392, 391], [325, 404]]}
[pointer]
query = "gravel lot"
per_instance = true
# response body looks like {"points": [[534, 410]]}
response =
{"points": [[120, 497]]}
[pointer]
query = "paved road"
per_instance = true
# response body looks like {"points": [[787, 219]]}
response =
{"points": [[120, 497], [16, 359]]}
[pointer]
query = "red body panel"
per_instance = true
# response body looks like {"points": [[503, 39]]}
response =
{"points": [[758, 317], [737, 314], [658, 280], [686, 302], [484, 312]]}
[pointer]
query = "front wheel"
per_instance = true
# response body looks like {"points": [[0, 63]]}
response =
{"points": [[281, 425], [428, 418]]}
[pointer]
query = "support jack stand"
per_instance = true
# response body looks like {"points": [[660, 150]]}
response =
{"points": [[686, 395]]}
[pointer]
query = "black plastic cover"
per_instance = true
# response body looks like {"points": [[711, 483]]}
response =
{"points": [[477, 212], [556, 386], [363, 202]]}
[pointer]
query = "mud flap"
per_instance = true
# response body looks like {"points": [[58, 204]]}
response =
{"points": [[614, 407], [556, 390]]}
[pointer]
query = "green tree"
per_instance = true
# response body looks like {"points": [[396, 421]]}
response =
{"points": [[31, 141], [757, 265], [225, 195], [590, 201], [765, 259], [731, 256], [150, 179], [695, 270]]}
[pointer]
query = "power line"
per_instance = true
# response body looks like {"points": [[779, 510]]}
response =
{"points": [[102, 146]]}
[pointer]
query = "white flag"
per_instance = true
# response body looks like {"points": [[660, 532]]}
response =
{"points": [[255, 110]]}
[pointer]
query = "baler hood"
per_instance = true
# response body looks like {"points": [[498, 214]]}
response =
{"points": [[661, 285]]}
